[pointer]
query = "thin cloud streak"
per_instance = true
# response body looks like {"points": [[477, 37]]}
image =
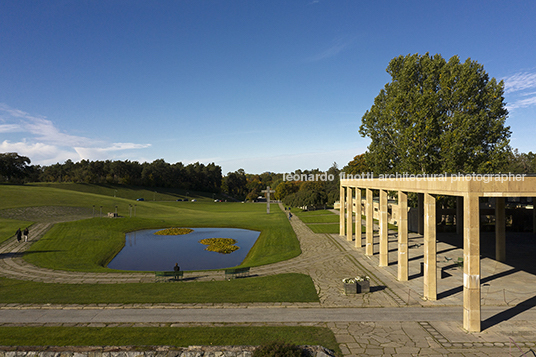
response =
{"points": [[517, 85], [523, 103], [519, 82], [332, 51]]}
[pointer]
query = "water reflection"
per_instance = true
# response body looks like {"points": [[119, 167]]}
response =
{"points": [[146, 251]]}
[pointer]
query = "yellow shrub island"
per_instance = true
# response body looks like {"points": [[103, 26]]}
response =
{"points": [[173, 231], [220, 245]]}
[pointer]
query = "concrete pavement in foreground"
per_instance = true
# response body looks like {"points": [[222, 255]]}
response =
{"points": [[391, 321]]}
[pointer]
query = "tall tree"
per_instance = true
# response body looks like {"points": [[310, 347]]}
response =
{"points": [[437, 116]]}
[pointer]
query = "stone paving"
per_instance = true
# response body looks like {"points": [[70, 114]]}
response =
{"points": [[328, 259]]}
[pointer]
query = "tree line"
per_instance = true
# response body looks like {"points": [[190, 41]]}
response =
{"points": [[15, 168]]}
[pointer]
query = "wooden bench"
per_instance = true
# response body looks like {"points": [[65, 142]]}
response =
{"points": [[164, 275], [236, 272]]}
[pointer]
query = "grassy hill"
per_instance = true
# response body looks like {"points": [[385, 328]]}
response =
{"points": [[87, 242]]}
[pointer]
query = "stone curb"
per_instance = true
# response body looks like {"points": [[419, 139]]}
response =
{"points": [[148, 351]]}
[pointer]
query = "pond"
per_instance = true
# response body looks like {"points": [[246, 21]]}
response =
{"points": [[145, 251]]}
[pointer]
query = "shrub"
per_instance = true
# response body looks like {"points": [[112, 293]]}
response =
{"points": [[277, 349]]}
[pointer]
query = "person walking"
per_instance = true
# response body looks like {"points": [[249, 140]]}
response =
{"points": [[19, 235], [25, 234]]}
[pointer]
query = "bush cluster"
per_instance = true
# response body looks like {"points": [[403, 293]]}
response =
{"points": [[278, 349]]}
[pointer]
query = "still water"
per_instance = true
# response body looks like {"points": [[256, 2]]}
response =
{"points": [[146, 251]]}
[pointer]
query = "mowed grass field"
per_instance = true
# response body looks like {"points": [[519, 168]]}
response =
{"points": [[89, 244], [168, 336]]}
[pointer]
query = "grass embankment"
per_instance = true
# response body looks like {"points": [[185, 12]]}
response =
{"points": [[275, 288], [167, 336]]}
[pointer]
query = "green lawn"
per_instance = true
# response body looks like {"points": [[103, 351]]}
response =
{"points": [[329, 228], [274, 288], [167, 336], [8, 227], [331, 218], [88, 245], [321, 221]]}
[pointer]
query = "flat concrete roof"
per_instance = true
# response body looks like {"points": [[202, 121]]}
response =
{"points": [[482, 185]]}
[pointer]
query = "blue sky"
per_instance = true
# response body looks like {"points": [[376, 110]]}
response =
{"points": [[258, 85]]}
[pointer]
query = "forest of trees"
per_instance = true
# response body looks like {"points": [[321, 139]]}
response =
{"points": [[197, 176], [16, 169]]}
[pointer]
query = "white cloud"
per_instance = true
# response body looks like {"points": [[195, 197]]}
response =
{"points": [[523, 103], [9, 128], [519, 82], [103, 153], [45, 144], [39, 153], [519, 88]]}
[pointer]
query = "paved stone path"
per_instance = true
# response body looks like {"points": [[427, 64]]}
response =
{"points": [[375, 331]]}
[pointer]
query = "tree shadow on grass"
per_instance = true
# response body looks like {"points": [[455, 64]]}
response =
{"points": [[11, 255]]}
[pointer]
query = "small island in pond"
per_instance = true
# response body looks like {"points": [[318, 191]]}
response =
{"points": [[173, 231], [220, 245]]}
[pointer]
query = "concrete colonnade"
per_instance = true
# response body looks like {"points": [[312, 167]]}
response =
{"points": [[467, 193]]}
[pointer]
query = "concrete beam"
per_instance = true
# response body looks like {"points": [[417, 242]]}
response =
{"points": [[402, 236], [369, 208], [430, 248]]}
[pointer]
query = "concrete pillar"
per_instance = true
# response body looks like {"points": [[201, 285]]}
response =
{"points": [[357, 201], [534, 215], [349, 213], [459, 215], [500, 230], [471, 264], [420, 213], [402, 236], [341, 211], [430, 248], [384, 232], [369, 208]]}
